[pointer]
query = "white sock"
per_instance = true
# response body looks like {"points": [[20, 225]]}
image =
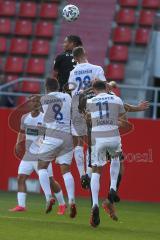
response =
{"points": [[95, 185], [79, 158], [69, 184], [45, 183], [114, 172], [60, 198], [21, 197], [88, 169]]}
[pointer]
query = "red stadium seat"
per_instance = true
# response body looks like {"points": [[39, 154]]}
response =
{"points": [[146, 18], [49, 11], [31, 87], [28, 10], [5, 26], [1, 64], [115, 72], [55, 1], [40, 47], [142, 36], [118, 53], [7, 8], [122, 35], [10, 78], [19, 45], [128, 3], [36, 66], [126, 16], [155, 4], [45, 29], [3, 45], [14, 65], [23, 28]]}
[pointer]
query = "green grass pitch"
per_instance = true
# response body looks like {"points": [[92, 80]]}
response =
{"points": [[137, 221]]}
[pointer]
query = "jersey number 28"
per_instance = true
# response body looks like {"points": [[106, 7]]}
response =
{"points": [[84, 83]]}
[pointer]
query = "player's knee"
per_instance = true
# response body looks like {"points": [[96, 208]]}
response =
{"points": [[51, 180], [65, 168], [22, 178], [42, 165], [78, 141], [122, 169], [55, 185], [121, 157], [96, 169], [81, 141]]}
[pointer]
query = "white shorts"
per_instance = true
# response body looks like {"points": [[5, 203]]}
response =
{"points": [[119, 149], [98, 155], [79, 128], [60, 150], [28, 167]]}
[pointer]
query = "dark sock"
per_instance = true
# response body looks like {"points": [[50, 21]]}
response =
{"points": [[119, 180]]}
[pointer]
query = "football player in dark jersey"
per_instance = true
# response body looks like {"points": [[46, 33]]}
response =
{"points": [[64, 62]]}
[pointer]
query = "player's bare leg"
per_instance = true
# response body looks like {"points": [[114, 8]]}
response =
{"points": [[45, 184], [21, 194], [56, 188], [70, 187]]}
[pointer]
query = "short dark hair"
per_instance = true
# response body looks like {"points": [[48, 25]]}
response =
{"points": [[52, 84], [75, 39], [99, 85], [78, 52]]}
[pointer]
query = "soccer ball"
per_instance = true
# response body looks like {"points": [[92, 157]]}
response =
{"points": [[70, 13]]}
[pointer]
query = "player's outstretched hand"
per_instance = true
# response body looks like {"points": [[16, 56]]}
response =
{"points": [[144, 105]]}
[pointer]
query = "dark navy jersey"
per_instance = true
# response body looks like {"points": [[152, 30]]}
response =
{"points": [[64, 63]]}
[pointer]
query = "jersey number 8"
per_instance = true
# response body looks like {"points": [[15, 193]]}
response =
{"points": [[57, 110]]}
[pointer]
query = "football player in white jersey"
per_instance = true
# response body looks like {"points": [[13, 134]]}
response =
{"points": [[116, 168], [31, 133], [57, 143], [81, 78], [105, 111]]}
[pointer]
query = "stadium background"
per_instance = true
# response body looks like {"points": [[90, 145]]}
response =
{"points": [[123, 37]]}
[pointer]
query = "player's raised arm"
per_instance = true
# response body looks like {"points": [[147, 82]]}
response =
{"points": [[142, 106], [124, 125]]}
